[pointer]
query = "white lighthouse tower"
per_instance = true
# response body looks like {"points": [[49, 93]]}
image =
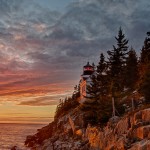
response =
{"points": [[88, 70]]}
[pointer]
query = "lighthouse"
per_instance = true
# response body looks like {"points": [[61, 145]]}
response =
{"points": [[85, 81]]}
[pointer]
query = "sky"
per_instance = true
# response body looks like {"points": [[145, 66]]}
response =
{"points": [[45, 43]]}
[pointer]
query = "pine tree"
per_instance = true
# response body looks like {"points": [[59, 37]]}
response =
{"points": [[100, 108], [145, 70], [145, 85], [76, 92], [131, 73], [117, 61], [93, 88], [96, 88], [145, 52], [101, 65], [144, 58], [102, 76]]}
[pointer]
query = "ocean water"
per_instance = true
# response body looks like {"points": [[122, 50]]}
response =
{"points": [[15, 134]]}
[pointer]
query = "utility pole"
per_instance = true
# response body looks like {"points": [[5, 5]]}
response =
{"points": [[133, 107], [113, 106]]}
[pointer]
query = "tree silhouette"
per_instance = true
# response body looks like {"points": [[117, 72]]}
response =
{"points": [[131, 72], [145, 69], [97, 86], [117, 61]]}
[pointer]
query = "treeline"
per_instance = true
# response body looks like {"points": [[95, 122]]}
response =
{"points": [[68, 103], [121, 73]]}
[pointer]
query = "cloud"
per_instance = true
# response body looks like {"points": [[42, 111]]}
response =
{"points": [[39, 103], [40, 48], [45, 100]]}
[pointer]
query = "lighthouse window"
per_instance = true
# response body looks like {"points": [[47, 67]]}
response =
{"points": [[89, 68]]}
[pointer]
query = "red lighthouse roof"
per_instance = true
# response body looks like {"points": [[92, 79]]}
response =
{"points": [[88, 65]]}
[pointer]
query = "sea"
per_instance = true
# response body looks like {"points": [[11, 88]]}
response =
{"points": [[14, 134]]}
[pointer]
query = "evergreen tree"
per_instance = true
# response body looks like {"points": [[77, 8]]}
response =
{"points": [[93, 88], [76, 92], [100, 108], [145, 69], [131, 73], [102, 76], [144, 58], [145, 86], [145, 52], [96, 88], [101, 65], [117, 61]]}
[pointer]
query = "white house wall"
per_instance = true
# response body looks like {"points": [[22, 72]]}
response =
{"points": [[83, 88]]}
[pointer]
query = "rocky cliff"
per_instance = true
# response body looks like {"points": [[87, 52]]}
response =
{"points": [[131, 132], [70, 132]]}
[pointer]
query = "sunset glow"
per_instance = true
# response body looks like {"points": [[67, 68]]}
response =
{"points": [[44, 45]]}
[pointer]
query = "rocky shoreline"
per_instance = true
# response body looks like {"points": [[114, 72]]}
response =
{"points": [[130, 132]]}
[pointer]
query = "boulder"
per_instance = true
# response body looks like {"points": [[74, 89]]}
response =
{"points": [[137, 117], [146, 115], [120, 144], [143, 132], [142, 145], [79, 132], [148, 145], [122, 127]]}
